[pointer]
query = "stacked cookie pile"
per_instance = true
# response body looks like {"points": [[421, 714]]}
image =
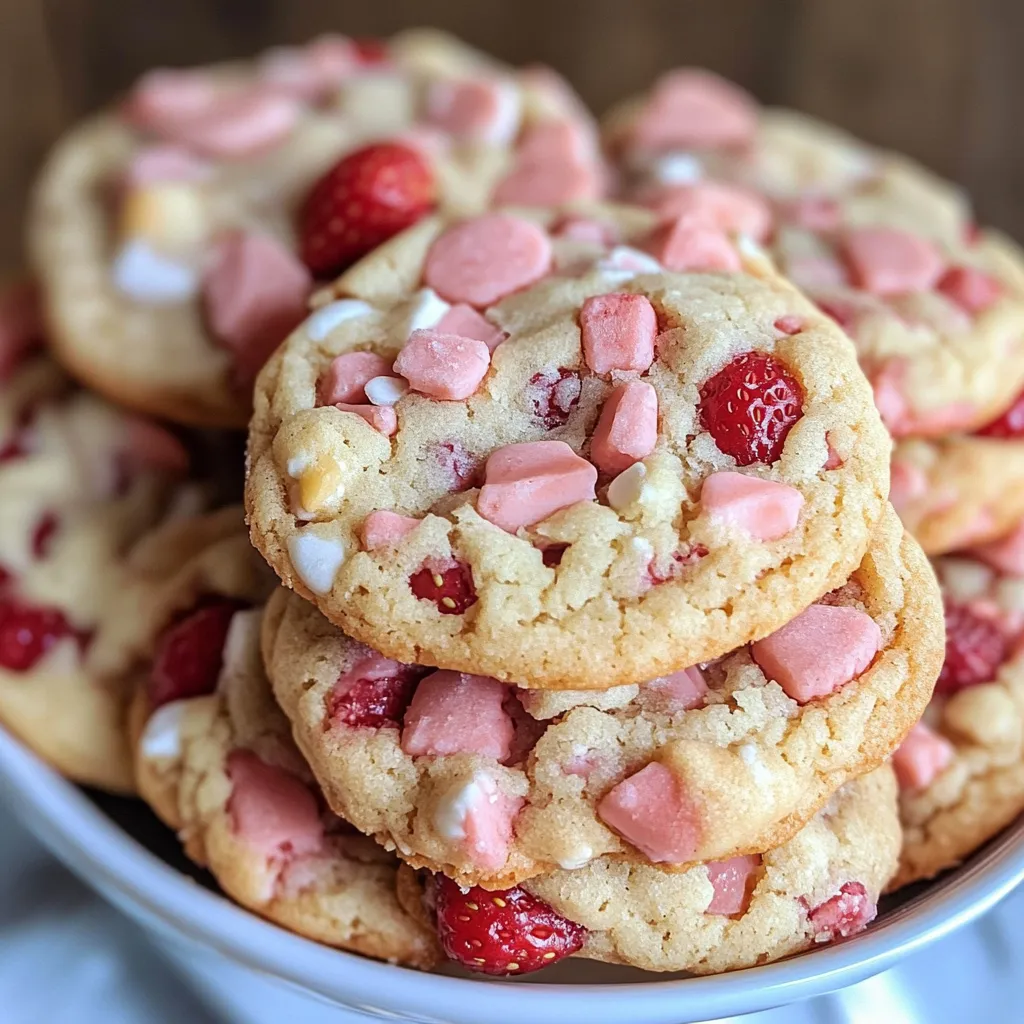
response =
{"points": [[597, 629]]}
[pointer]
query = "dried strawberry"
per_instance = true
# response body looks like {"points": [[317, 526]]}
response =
{"points": [[749, 406], [1010, 424], [850, 911], [43, 535], [28, 632], [970, 288], [551, 554], [189, 655], [459, 466], [450, 588], [501, 933], [370, 50], [362, 201], [975, 648], [373, 703], [553, 395]]}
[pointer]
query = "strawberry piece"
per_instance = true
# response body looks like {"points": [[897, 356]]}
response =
{"points": [[501, 933], [451, 588], [459, 466], [553, 394], [666, 570], [362, 201], [43, 535], [1009, 425], [975, 648], [551, 554], [749, 406], [28, 632], [5, 578], [850, 911], [374, 703], [190, 653], [370, 50]]}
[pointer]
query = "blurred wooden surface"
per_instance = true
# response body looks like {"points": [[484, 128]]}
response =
{"points": [[940, 79]]}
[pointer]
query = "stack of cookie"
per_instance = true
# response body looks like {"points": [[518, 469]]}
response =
{"points": [[597, 629]]}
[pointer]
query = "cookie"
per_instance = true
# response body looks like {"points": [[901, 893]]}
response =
{"points": [[491, 786], [934, 305], [79, 482], [543, 457], [177, 236], [961, 771], [820, 887], [221, 769]]}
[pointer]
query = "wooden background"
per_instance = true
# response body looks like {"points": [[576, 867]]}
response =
{"points": [[941, 79]]}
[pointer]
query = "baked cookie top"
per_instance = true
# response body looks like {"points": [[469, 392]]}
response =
{"points": [[961, 770], [491, 785], [220, 768], [525, 449], [934, 305], [177, 237]]}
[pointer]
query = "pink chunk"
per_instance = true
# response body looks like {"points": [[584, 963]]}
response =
{"points": [[486, 258], [21, 327], [651, 811], [728, 208], [381, 417], [921, 757], [618, 332], [164, 97], [156, 164], [850, 911], [237, 127], [686, 245], [627, 429], [271, 810], [312, 72], [732, 880], [789, 324], [445, 366], [556, 141], [456, 713], [526, 483], [907, 483], [903, 421], [586, 229], [886, 261], [488, 826], [823, 648], [150, 446], [680, 691], [816, 213], [1006, 554], [254, 292], [814, 271], [694, 109], [348, 374], [971, 289], [553, 184], [471, 108], [466, 322], [764, 509], [384, 529]]}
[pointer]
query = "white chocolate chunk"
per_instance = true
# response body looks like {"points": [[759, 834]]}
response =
{"points": [[143, 274], [627, 487], [426, 309], [316, 559], [319, 324], [677, 169], [581, 856], [454, 806], [161, 738], [386, 390], [623, 263]]}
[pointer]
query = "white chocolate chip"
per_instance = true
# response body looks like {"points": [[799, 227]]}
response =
{"points": [[316, 559], [965, 579], [297, 465], [319, 324], [581, 856], [505, 125], [750, 756], [386, 390], [161, 738], [627, 487], [453, 808], [141, 273], [426, 309], [623, 263], [676, 169], [754, 257]]}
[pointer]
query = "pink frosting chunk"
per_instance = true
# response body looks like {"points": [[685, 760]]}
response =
{"points": [[627, 429], [254, 292], [886, 261], [618, 332], [525, 483], [348, 374], [732, 880], [444, 366], [381, 417], [456, 713], [471, 108], [970, 288], [651, 811], [466, 322], [921, 757], [764, 509], [1006, 554], [271, 810], [384, 529], [728, 208], [488, 823], [238, 127], [312, 72], [164, 97], [823, 648], [850, 911], [690, 245], [680, 691], [486, 258], [549, 185], [162, 163]]}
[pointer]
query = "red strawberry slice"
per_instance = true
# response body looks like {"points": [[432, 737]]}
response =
{"points": [[975, 648], [362, 201], [1009, 425], [28, 632], [190, 653], [501, 933], [450, 588], [749, 406], [371, 698]]}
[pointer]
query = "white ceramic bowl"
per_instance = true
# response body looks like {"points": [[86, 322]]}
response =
{"points": [[201, 930]]}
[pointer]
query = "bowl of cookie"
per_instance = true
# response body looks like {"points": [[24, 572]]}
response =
{"points": [[621, 615]]}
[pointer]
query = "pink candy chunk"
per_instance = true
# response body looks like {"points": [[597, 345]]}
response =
{"points": [[921, 757], [312, 72], [549, 185], [526, 483], [445, 366], [483, 109], [907, 483], [651, 811], [380, 417], [271, 810], [850, 911], [254, 293], [156, 164], [456, 713], [488, 825], [732, 880], [466, 322], [627, 429], [823, 648], [816, 213], [971, 289], [886, 261], [1006, 554], [680, 691], [238, 127], [348, 374], [486, 258], [586, 229], [728, 208], [164, 97], [764, 509], [903, 421], [618, 332], [687, 245], [384, 529]]}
